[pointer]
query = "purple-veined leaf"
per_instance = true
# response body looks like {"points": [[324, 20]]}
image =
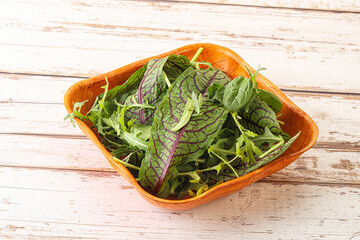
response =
{"points": [[167, 148], [120, 92], [259, 116], [153, 86], [242, 169]]}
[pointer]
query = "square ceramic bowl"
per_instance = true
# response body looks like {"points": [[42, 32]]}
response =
{"points": [[233, 65]]}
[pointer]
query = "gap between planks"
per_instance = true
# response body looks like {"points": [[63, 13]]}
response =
{"points": [[111, 172], [290, 90], [343, 146], [235, 4]]}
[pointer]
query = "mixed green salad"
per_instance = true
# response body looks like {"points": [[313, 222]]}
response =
{"points": [[182, 127]]}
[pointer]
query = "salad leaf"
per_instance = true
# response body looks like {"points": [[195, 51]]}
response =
{"points": [[271, 99], [182, 130], [237, 93], [153, 85], [121, 92], [167, 148], [242, 169], [259, 116]]}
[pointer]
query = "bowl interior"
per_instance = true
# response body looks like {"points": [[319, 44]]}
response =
{"points": [[233, 65]]}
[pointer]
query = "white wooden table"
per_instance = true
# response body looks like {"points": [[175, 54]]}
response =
{"points": [[54, 184]]}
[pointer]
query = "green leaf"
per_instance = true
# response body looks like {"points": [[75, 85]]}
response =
{"points": [[237, 93], [259, 116], [76, 113], [216, 92], [153, 85], [243, 169], [271, 99], [121, 92], [185, 117], [167, 148], [197, 101], [267, 137]]}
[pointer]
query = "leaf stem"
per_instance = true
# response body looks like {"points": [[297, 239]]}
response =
{"points": [[126, 164], [227, 163], [195, 57], [279, 144], [166, 79]]}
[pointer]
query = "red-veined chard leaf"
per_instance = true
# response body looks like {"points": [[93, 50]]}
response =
{"points": [[167, 148], [242, 169], [153, 86], [259, 116]]}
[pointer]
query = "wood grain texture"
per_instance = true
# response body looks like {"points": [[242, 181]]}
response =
{"points": [[302, 5], [288, 42], [330, 111], [54, 184], [102, 206], [319, 165]]}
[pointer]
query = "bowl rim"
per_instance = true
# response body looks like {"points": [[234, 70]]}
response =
{"points": [[207, 194]]}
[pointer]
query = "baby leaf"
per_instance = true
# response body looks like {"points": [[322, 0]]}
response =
{"points": [[153, 85], [242, 169], [271, 99], [267, 137], [167, 148], [185, 117], [237, 93], [216, 92], [121, 92], [259, 116]]}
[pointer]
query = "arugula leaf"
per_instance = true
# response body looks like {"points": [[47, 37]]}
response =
{"points": [[267, 137], [242, 169], [167, 148], [76, 113]]}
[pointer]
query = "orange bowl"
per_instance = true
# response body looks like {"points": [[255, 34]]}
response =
{"points": [[233, 65]]}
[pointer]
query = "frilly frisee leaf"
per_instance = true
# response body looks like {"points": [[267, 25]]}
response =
{"points": [[243, 169], [168, 148], [153, 85], [259, 116]]}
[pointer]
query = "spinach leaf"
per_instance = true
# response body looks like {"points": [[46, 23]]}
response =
{"points": [[167, 148], [237, 93], [271, 99]]}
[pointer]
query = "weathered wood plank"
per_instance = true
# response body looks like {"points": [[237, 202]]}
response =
{"points": [[327, 5], [336, 115], [87, 45], [58, 204], [317, 165]]}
